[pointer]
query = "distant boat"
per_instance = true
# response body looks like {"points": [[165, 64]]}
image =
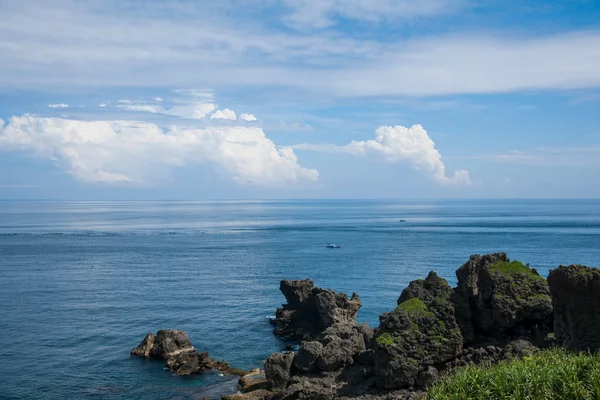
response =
{"points": [[402, 220], [333, 246]]}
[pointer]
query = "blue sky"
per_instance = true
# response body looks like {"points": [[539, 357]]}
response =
{"points": [[183, 99]]}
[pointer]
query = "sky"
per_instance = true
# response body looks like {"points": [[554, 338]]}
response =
{"points": [[267, 99]]}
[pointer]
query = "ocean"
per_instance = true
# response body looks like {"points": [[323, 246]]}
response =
{"points": [[81, 283]]}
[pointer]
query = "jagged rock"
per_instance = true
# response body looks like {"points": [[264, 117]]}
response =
{"points": [[304, 388], [307, 356], [310, 311], [175, 348], [340, 344], [188, 363], [145, 347], [506, 299], [296, 292], [420, 332], [169, 343], [367, 333], [278, 369], [576, 297], [335, 308], [428, 377]]}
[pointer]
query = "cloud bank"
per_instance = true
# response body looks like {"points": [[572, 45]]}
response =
{"points": [[138, 152], [196, 45], [400, 144]]}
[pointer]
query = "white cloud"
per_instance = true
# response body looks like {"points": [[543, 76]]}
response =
{"points": [[142, 108], [400, 144], [146, 44], [248, 117], [102, 105], [138, 152], [224, 114], [59, 105]]}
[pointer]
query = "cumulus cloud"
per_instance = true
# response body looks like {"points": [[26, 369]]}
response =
{"points": [[59, 105], [136, 152], [224, 114], [248, 117], [400, 144]]}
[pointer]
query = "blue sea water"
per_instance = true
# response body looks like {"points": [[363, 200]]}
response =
{"points": [[81, 283]]}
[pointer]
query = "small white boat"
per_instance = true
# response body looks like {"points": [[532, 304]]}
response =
{"points": [[333, 246]]}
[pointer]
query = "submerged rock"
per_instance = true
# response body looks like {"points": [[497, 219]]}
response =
{"points": [[419, 333], [311, 310], [576, 297], [506, 298]]}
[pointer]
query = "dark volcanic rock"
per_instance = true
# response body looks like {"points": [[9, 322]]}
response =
{"points": [[170, 343], [188, 363], [307, 356], [419, 333], [310, 311], [518, 349], [506, 299], [175, 348], [576, 296], [340, 344], [296, 292], [278, 369], [144, 348], [427, 378]]}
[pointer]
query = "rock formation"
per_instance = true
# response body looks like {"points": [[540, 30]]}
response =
{"points": [[310, 311], [175, 348], [499, 310], [507, 300], [420, 333], [576, 297]]}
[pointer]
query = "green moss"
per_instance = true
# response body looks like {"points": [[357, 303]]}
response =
{"points": [[415, 306], [513, 267], [385, 339]]}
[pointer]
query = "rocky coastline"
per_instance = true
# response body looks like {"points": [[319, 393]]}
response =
{"points": [[499, 310]]}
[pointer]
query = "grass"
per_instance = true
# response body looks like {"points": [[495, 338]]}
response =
{"points": [[548, 374], [415, 306], [512, 267]]}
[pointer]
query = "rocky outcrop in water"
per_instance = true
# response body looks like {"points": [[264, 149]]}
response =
{"points": [[501, 309], [576, 297], [419, 334], [311, 310], [175, 348], [507, 300]]}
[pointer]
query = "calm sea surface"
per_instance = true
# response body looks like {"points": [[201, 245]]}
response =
{"points": [[81, 283]]}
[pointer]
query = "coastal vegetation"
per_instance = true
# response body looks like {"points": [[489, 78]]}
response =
{"points": [[548, 374]]}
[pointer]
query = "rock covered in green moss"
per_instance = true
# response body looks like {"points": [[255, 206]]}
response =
{"points": [[419, 333], [506, 298], [576, 296]]}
